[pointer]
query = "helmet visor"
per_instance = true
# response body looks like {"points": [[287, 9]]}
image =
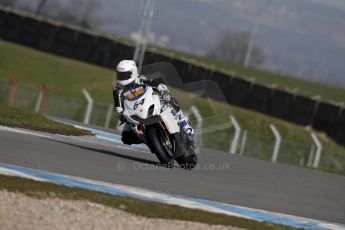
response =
{"points": [[121, 76]]}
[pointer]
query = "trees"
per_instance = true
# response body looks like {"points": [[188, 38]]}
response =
{"points": [[233, 46]]}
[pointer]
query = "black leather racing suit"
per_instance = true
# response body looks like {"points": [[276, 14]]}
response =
{"points": [[128, 136]]}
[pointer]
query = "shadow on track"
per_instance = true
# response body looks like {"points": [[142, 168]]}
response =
{"points": [[107, 152]]}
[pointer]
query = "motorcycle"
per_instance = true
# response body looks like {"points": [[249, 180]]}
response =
{"points": [[154, 121]]}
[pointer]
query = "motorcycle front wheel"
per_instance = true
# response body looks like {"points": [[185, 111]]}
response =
{"points": [[187, 161], [162, 145]]}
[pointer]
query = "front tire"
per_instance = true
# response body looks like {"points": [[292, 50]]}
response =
{"points": [[187, 161], [155, 139]]}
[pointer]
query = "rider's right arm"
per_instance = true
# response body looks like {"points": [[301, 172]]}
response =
{"points": [[117, 95]]}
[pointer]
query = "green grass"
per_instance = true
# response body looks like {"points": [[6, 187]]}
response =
{"points": [[43, 190], [16, 117], [61, 75], [67, 77]]}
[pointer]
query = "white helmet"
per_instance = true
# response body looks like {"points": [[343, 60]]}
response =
{"points": [[126, 72]]}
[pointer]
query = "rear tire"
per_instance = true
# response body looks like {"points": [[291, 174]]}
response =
{"points": [[155, 143]]}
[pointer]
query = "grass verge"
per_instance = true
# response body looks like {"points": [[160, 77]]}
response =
{"points": [[61, 75], [16, 117], [147, 209]]}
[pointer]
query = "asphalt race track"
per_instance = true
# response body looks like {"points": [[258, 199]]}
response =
{"points": [[220, 176]]}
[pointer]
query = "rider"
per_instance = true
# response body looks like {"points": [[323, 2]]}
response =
{"points": [[127, 77]]}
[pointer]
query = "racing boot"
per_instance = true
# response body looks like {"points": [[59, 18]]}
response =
{"points": [[128, 137], [186, 128]]}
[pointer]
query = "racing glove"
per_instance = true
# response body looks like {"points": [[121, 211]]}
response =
{"points": [[166, 96], [120, 115]]}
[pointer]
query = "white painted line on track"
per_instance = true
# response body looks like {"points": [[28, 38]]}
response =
{"points": [[111, 138], [93, 141], [21, 131], [99, 138]]}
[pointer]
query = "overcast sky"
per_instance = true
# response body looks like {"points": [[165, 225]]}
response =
{"points": [[337, 4]]}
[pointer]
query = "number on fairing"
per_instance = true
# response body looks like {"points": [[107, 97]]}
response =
{"points": [[137, 104]]}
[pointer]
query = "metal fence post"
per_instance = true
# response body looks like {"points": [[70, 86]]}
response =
{"points": [[108, 117], [318, 150], [41, 99], [277, 143], [89, 106], [235, 140], [44, 90], [198, 128], [243, 142], [186, 115]]}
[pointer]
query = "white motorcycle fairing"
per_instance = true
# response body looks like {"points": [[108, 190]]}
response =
{"points": [[141, 103]]}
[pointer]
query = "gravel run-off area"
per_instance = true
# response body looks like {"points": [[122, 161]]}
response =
{"points": [[18, 211]]}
